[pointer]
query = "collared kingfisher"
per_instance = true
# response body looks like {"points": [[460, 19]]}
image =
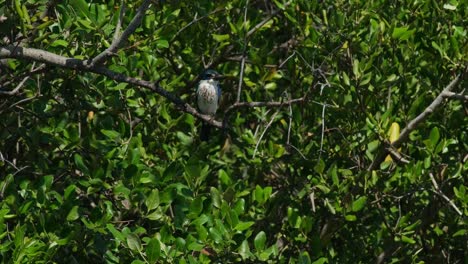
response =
{"points": [[208, 97]]}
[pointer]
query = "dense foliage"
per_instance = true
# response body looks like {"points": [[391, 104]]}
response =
{"points": [[96, 170]]}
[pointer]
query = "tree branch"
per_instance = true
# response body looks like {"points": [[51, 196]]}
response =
{"points": [[77, 64], [81, 65], [417, 120], [452, 95], [264, 21], [118, 41]]}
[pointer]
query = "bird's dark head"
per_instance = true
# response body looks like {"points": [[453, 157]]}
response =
{"points": [[210, 74]]}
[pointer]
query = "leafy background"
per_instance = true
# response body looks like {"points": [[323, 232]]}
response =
{"points": [[93, 170]]}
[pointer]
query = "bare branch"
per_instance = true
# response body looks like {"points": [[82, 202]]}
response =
{"points": [[77, 64], [263, 133], [264, 21], [439, 192], [397, 156], [14, 91], [25, 78], [242, 64], [260, 104], [195, 20], [421, 117], [119, 21], [413, 123], [118, 41], [452, 95]]}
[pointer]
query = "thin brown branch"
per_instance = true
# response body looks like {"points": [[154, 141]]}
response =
{"points": [[439, 192], [118, 41]]}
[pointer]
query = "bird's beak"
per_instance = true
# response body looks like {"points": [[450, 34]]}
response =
{"points": [[218, 76]]}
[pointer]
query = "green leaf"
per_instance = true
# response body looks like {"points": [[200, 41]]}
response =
{"points": [[81, 7], [304, 258], [68, 191], [195, 246], [259, 241], [346, 79], [110, 133], [356, 71], [244, 250], [350, 218], [243, 225], [215, 234], [402, 33], [73, 214], [460, 232], [80, 163], [215, 197], [118, 236], [220, 38], [320, 261], [152, 202], [438, 48], [359, 204], [133, 242], [153, 250], [373, 145], [319, 167], [434, 136], [196, 207], [408, 240], [59, 42], [162, 44], [258, 194]]}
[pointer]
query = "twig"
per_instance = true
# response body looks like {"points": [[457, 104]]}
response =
{"points": [[397, 155], [298, 151], [14, 91], [322, 134], [241, 78], [289, 125], [264, 131], [439, 192], [242, 64], [118, 41], [119, 21], [195, 20], [286, 60], [452, 95], [260, 104], [32, 71], [264, 21]]}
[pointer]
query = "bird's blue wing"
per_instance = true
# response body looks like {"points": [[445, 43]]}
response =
{"points": [[218, 92]]}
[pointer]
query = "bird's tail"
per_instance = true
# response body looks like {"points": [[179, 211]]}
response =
{"points": [[205, 132]]}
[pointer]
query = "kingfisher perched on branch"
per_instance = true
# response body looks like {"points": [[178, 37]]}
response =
{"points": [[208, 97]]}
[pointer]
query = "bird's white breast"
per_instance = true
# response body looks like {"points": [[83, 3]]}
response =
{"points": [[207, 97]]}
